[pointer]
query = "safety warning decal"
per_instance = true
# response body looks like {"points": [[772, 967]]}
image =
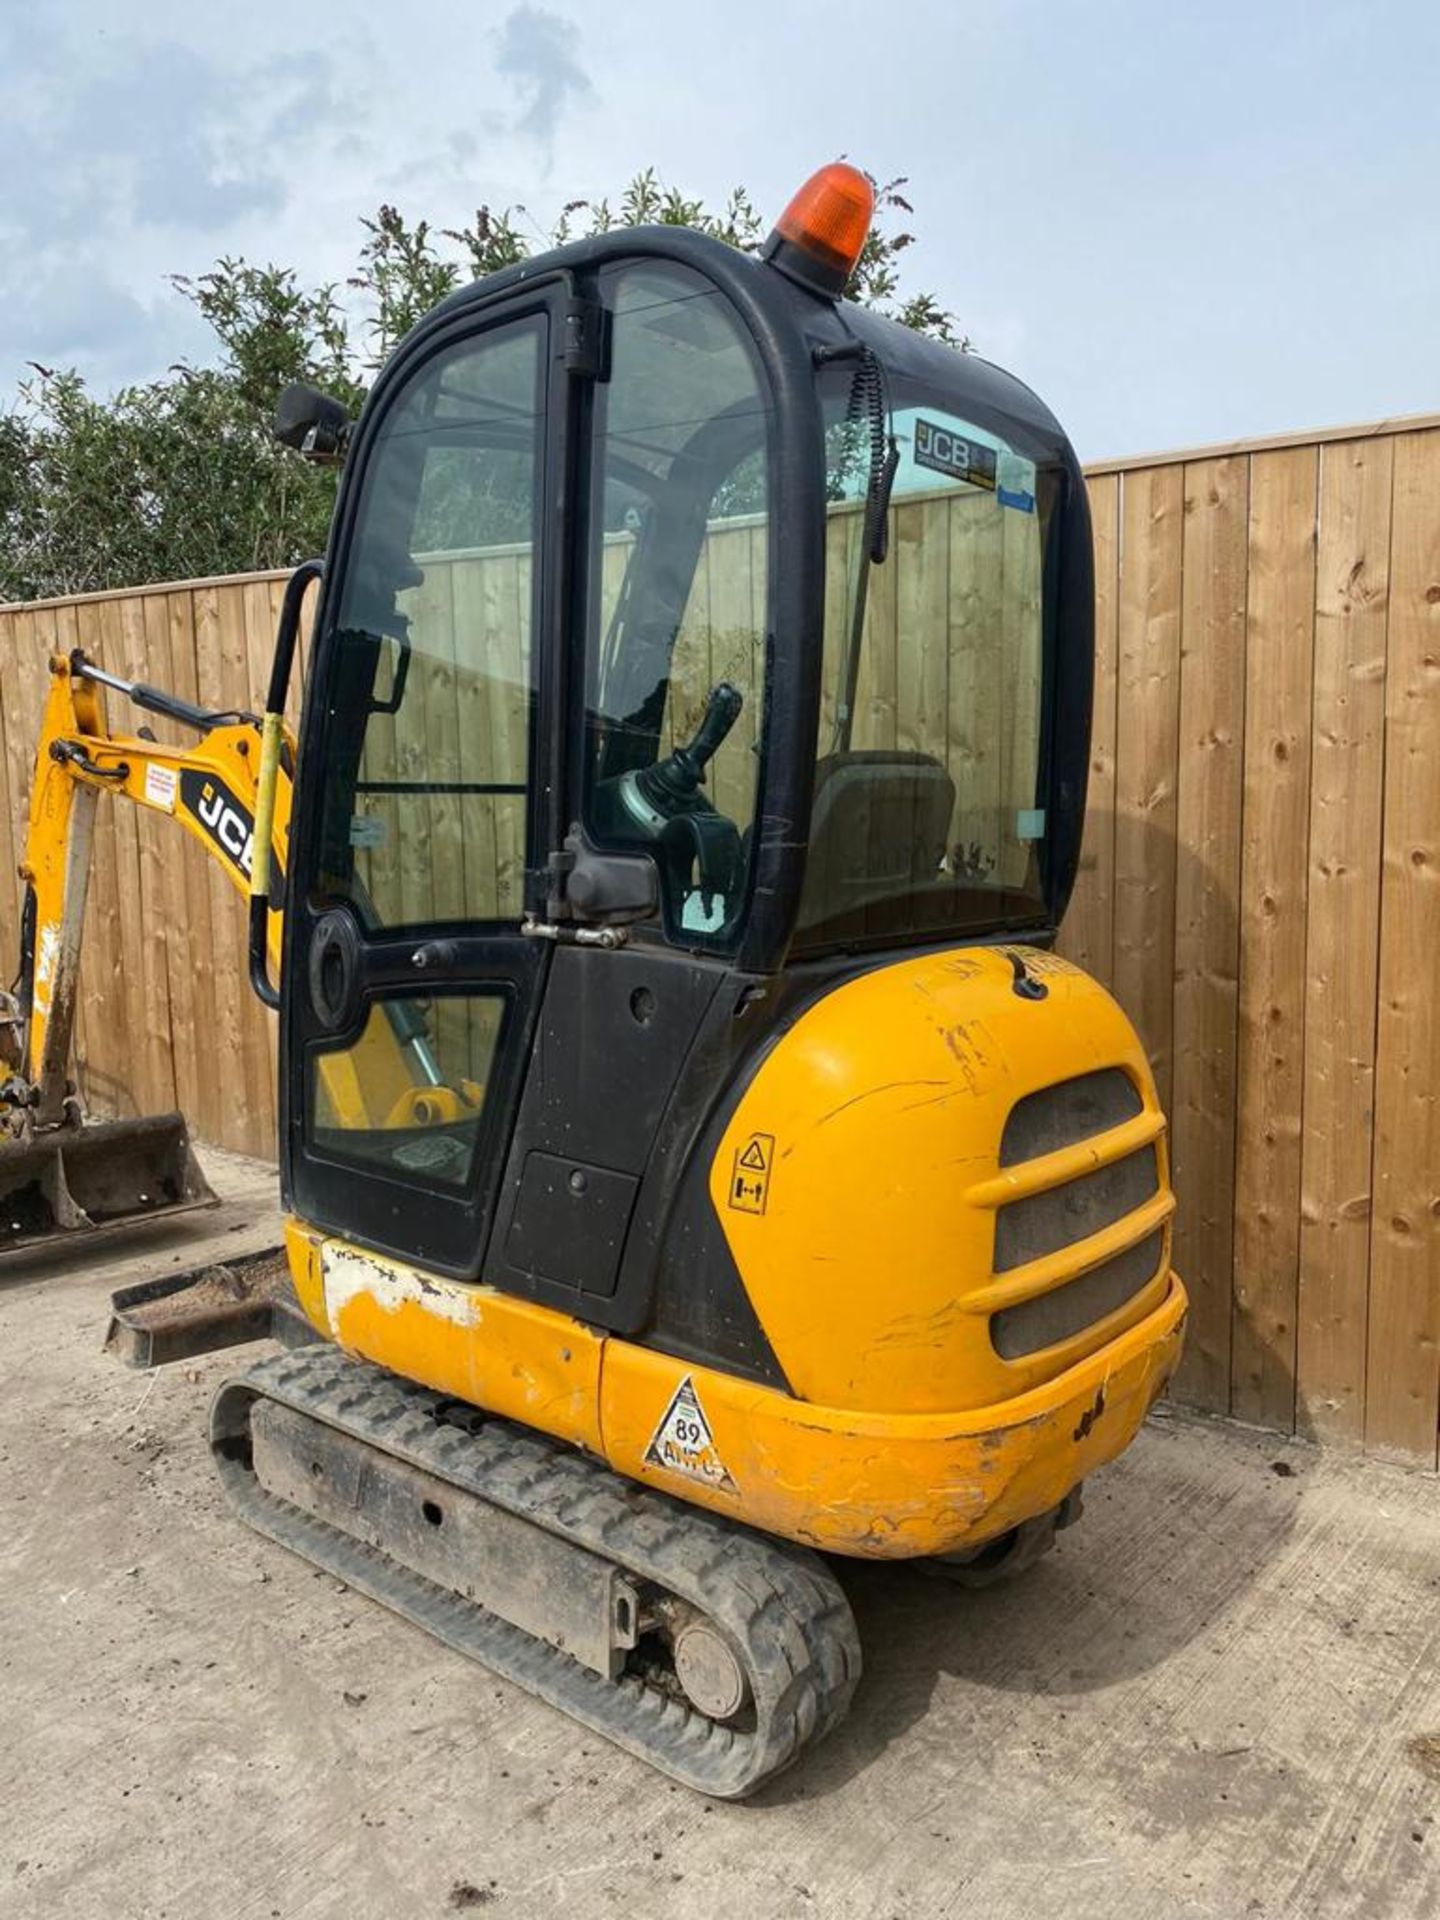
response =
{"points": [[750, 1176], [160, 785], [683, 1442]]}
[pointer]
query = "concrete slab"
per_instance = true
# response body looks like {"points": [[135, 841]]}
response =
{"points": [[1212, 1700]]}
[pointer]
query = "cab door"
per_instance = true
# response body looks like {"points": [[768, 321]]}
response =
{"points": [[410, 993]]}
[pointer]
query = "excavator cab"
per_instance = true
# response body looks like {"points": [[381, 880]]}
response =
{"points": [[689, 638]]}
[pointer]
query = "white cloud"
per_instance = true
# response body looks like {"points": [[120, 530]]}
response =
{"points": [[539, 51]]}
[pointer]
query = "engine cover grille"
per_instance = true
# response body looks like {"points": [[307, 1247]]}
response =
{"points": [[1067, 1310], [1071, 1110], [1045, 1222], [1042, 1223]]}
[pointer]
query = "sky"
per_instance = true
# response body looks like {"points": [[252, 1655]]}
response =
{"points": [[1180, 223]]}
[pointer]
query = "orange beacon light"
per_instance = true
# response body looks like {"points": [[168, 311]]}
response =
{"points": [[819, 236]]}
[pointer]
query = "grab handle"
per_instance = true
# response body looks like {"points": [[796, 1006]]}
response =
{"points": [[271, 740]]}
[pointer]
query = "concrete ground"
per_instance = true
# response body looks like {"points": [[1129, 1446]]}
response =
{"points": [[1219, 1697]]}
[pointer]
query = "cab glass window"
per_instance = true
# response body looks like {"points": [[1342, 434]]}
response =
{"points": [[679, 559], [407, 1096], [428, 731], [928, 813]]}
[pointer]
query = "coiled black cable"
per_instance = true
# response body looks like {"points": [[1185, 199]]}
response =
{"points": [[867, 411]]}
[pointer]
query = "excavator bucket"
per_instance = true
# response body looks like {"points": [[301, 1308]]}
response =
{"points": [[82, 1180]]}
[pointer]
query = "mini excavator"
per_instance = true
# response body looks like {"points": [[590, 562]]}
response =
{"points": [[698, 1164]]}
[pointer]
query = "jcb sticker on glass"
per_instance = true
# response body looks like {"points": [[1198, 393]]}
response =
{"points": [[683, 1442], [943, 450], [750, 1175]]}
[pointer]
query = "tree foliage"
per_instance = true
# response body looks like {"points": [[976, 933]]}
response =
{"points": [[178, 477]]}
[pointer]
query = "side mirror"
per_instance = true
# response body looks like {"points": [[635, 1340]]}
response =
{"points": [[313, 424]]}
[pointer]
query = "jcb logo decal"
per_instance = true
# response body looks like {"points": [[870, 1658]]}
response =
{"points": [[227, 823], [946, 451]]}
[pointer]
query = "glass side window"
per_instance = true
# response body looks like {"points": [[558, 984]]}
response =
{"points": [[408, 1096], [675, 656], [927, 813], [425, 804]]}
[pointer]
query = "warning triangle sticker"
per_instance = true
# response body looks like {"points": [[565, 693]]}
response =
{"points": [[754, 1155], [683, 1442]]}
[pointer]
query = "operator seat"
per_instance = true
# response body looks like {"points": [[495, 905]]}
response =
{"points": [[879, 826]]}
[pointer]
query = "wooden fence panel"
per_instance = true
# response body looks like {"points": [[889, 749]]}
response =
{"points": [[1402, 1395], [1270, 902], [1352, 586], [193, 953], [108, 1063], [130, 1070], [1088, 934], [19, 719], [1214, 571], [1147, 758], [155, 1077], [1260, 875]]}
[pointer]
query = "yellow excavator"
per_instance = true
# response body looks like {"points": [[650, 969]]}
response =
{"points": [[698, 1165]]}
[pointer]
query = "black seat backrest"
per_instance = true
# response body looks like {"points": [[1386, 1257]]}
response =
{"points": [[879, 827]]}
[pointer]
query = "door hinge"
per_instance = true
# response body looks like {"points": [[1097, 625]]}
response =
{"points": [[558, 867], [586, 349], [557, 922]]}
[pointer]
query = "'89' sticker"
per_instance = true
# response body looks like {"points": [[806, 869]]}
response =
{"points": [[683, 1442]]}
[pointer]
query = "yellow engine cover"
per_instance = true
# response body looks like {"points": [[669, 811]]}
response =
{"points": [[866, 1241]]}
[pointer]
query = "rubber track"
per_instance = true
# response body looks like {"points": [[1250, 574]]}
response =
{"points": [[779, 1606]]}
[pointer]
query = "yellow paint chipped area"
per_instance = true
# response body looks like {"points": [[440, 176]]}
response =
{"points": [[887, 1101], [350, 1274], [895, 1486], [519, 1360]]}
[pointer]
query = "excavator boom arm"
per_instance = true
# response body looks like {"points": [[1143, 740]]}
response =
{"points": [[209, 789]]}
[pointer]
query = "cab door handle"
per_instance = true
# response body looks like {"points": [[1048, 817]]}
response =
{"points": [[431, 955]]}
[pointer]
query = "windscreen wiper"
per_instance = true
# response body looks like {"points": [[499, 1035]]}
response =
{"points": [[868, 408]]}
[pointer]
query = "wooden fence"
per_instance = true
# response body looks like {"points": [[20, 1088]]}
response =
{"points": [[1260, 888], [1262, 892]]}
